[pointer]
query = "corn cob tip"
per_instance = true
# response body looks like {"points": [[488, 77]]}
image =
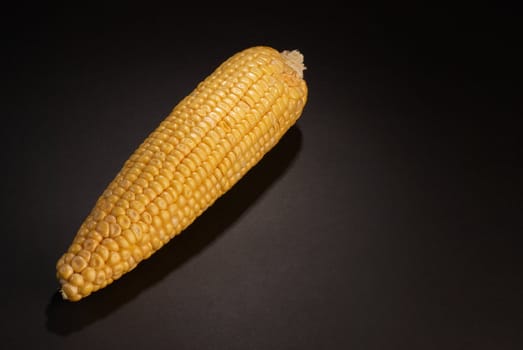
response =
{"points": [[63, 294], [294, 59]]}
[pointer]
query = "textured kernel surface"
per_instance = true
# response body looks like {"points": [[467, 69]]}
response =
{"points": [[202, 148]]}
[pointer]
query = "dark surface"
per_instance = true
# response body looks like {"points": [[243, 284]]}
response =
{"points": [[387, 218]]}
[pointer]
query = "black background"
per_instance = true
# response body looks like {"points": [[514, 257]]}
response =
{"points": [[387, 218]]}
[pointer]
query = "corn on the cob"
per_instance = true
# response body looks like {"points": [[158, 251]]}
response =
{"points": [[205, 145]]}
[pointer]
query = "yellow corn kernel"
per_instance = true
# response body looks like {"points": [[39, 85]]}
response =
{"points": [[202, 148]]}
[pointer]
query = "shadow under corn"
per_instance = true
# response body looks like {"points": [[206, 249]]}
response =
{"points": [[64, 317]]}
